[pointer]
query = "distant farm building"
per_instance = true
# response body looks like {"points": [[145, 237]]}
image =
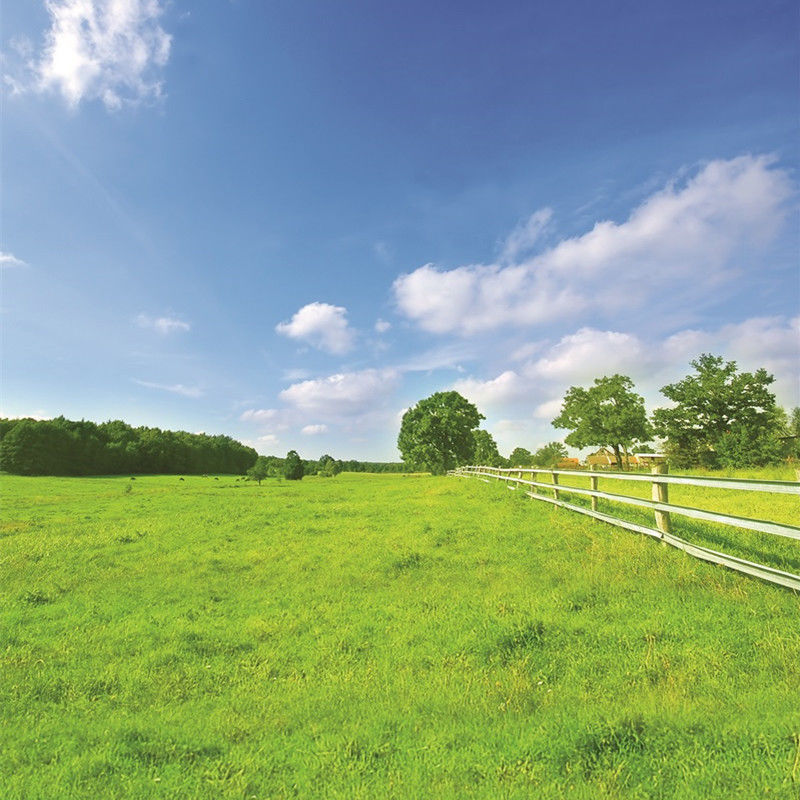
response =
{"points": [[604, 457], [568, 463]]}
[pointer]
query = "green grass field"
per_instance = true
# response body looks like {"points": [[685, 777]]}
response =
{"points": [[381, 637]]}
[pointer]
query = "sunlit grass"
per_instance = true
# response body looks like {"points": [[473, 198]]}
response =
{"points": [[378, 636]]}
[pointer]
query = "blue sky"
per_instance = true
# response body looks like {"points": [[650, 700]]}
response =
{"points": [[288, 222]]}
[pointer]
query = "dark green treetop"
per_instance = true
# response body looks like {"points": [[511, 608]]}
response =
{"points": [[437, 433], [293, 469], [720, 416], [520, 457], [486, 452], [607, 414]]}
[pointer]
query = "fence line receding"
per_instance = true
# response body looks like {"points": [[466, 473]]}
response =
{"points": [[660, 505]]}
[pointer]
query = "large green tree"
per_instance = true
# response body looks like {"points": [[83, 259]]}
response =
{"points": [[437, 433], [607, 414], [720, 417]]}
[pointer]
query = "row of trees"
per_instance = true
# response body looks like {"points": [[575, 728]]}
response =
{"points": [[293, 468], [717, 417], [64, 447]]}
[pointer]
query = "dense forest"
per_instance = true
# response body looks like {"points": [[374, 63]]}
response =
{"points": [[63, 447]]}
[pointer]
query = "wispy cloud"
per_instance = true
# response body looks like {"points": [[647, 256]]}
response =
{"points": [[109, 50], [321, 325], [295, 374], [680, 243], [175, 388], [162, 325], [10, 260], [314, 430], [258, 415], [526, 235]]}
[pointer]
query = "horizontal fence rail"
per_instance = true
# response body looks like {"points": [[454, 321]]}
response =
{"points": [[660, 505]]}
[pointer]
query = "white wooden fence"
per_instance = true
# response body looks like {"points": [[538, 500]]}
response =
{"points": [[662, 509]]}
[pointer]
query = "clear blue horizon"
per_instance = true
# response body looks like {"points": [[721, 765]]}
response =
{"points": [[289, 223]]}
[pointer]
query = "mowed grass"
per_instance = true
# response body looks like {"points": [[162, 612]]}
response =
{"points": [[377, 636]]}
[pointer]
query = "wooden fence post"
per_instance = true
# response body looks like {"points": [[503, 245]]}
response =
{"points": [[555, 484], [661, 495], [593, 483]]}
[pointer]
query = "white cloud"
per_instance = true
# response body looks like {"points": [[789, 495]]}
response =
{"points": [[526, 351], [381, 326], [588, 353], [505, 388], [443, 357], [263, 445], [504, 426], [258, 415], [526, 235], [549, 409], [162, 325], [322, 325], [108, 50], [295, 374], [576, 358], [345, 394], [313, 430], [175, 388], [680, 242], [10, 260], [769, 342]]}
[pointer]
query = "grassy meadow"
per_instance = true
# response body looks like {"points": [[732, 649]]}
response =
{"points": [[383, 636]]}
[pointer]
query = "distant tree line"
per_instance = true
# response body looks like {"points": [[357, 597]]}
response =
{"points": [[64, 447], [292, 467]]}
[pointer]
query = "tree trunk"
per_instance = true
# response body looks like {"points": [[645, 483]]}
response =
{"points": [[618, 456]]}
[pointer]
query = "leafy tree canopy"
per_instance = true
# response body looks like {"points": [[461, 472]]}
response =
{"points": [[437, 433], [549, 455], [607, 414], [259, 470], [520, 457], [721, 417], [486, 452], [293, 469]]}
